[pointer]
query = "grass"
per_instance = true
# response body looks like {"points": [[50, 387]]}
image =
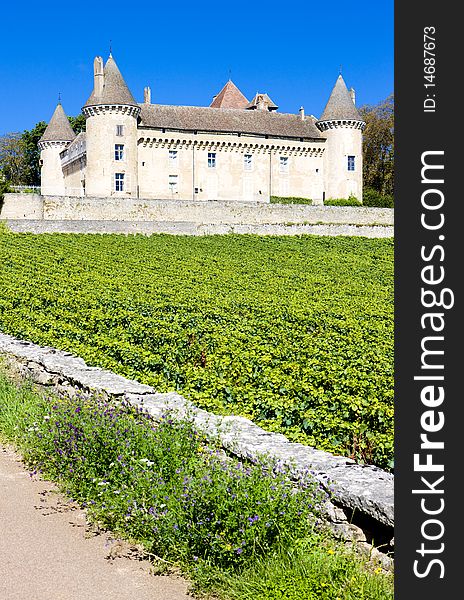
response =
{"points": [[238, 530], [315, 568], [351, 201], [289, 200]]}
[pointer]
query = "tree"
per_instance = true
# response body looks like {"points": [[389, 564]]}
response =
{"points": [[20, 154], [30, 140], [77, 123], [14, 167], [378, 146]]}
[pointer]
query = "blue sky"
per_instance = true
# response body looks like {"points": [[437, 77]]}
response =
{"points": [[185, 50]]}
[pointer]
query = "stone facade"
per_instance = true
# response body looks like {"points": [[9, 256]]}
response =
{"points": [[246, 169], [232, 150]]}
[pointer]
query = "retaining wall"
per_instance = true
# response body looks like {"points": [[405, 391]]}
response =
{"points": [[62, 208], [367, 489], [22, 206], [187, 228]]}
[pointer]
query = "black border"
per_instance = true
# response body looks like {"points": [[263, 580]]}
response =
{"points": [[416, 132]]}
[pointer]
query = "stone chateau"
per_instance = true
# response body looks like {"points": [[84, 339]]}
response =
{"points": [[234, 149]]}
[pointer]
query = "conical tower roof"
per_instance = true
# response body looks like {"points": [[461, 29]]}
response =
{"points": [[340, 104], [115, 90], [58, 129], [229, 97]]}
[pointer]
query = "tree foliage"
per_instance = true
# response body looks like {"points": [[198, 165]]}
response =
{"points": [[30, 141], [378, 146], [20, 154], [77, 123], [13, 161]]}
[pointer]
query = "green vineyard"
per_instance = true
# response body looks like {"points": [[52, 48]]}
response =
{"points": [[295, 333]]}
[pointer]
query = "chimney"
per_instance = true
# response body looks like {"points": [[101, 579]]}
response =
{"points": [[98, 77], [353, 95], [301, 113], [147, 95]]}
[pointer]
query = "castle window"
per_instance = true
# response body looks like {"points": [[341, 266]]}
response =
{"points": [[119, 152], [283, 164], [119, 182], [173, 158], [247, 162], [350, 163], [119, 130], [212, 160], [173, 184]]}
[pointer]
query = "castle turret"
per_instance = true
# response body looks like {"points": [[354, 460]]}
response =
{"points": [[342, 126], [111, 134], [56, 138]]}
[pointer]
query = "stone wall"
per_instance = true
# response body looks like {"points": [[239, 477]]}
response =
{"points": [[356, 489], [188, 228], [31, 206], [22, 206]]}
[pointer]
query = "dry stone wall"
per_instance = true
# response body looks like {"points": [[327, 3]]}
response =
{"points": [[354, 487], [188, 228], [62, 208]]}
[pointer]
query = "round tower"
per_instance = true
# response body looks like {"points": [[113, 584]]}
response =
{"points": [[342, 126], [111, 134], [56, 138]]}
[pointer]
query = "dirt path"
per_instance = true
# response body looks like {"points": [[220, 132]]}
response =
{"points": [[47, 552]]}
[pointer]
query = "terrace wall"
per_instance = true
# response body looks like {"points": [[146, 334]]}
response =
{"points": [[356, 489], [62, 208]]}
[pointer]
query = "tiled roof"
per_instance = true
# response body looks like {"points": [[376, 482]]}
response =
{"points": [[78, 140], [264, 98], [115, 90], [227, 120], [76, 149], [229, 97], [58, 129], [340, 104]]}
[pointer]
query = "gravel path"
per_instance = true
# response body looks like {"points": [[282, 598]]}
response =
{"points": [[48, 553]]}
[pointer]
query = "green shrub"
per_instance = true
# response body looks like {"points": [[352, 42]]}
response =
{"points": [[4, 229], [351, 201], [4, 188], [372, 197], [158, 482], [237, 529], [289, 200]]}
